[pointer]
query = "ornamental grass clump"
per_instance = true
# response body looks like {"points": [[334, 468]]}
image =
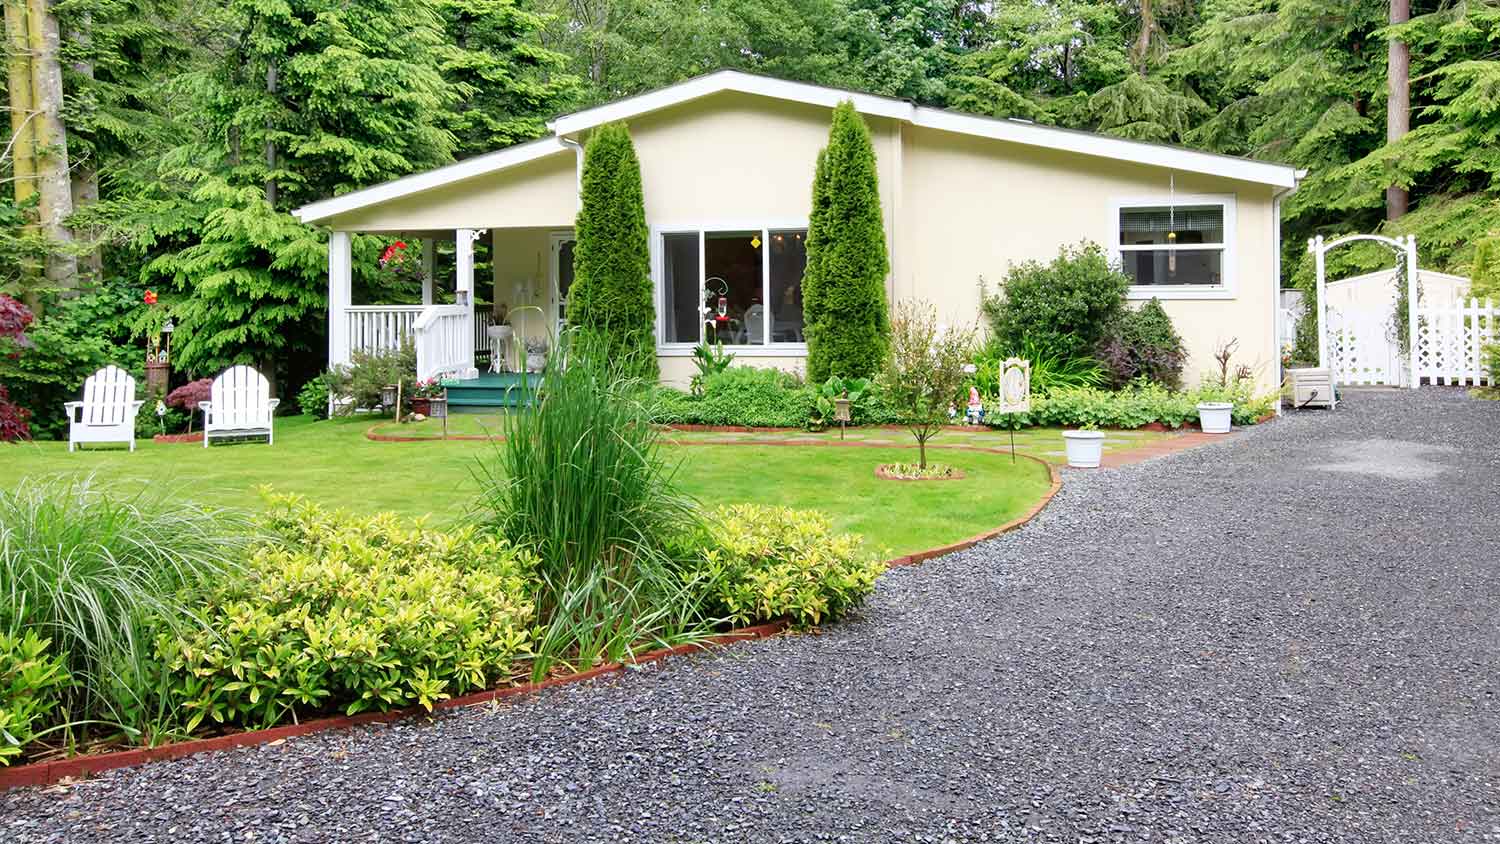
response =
{"points": [[580, 480], [99, 570]]}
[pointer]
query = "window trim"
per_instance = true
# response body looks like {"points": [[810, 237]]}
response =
{"points": [[1229, 285], [701, 228]]}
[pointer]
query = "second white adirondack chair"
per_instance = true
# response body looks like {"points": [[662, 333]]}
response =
{"points": [[107, 412], [240, 404]]}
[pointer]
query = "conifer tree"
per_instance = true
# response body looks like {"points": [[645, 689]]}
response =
{"points": [[612, 300], [844, 300]]}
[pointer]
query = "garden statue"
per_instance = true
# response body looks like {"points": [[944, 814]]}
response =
{"points": [[975, 413]]}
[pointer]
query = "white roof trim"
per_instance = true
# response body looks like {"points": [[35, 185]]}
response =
{"points": [[1011, 131], [728, 80], [1104, 146], [469, 168]]}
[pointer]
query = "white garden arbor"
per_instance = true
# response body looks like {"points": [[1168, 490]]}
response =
{"points": [[1406, 248]]}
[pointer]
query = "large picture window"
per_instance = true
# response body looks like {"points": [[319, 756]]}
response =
{"points": [[742, 286], [1174, 245]]}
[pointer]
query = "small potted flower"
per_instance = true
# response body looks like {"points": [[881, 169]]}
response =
{"points": [[536, 354], [422, 394], [1085, 446]]}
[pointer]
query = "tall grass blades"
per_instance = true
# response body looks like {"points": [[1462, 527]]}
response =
{"points": [[581, 480], [99, 570]]}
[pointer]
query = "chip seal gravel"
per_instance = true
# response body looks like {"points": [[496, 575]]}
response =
{"points": [[1290, 636]]}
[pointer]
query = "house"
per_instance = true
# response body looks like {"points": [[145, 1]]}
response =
{"points": [[727, 164]]}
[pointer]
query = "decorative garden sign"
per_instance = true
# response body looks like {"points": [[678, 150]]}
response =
{"points": [[1015, 386]]}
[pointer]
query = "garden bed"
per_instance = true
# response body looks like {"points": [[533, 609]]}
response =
{"points": [[908, 472], [196, 437]]}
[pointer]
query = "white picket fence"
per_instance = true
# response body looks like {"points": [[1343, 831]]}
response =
{"points": [[1451, 341]]}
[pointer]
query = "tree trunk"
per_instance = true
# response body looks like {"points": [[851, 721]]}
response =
{"points": [[85, 180], [1143, 40], [22, 140], [1398, 104], [270, 144], [53, 182]]}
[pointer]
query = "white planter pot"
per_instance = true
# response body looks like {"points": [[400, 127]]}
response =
{"points": [[1214, 416], [1085, 448]]}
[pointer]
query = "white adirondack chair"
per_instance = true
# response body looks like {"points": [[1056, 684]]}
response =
{"points": [[107, 412], [240, 404]]}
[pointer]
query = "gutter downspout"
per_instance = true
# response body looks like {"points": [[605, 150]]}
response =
{"points": [[578, 179], [1276, 197]]}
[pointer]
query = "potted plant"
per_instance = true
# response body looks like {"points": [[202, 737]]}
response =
{"points": [[536, 354], [1085, 446], [422, 394], [1215, 417]]}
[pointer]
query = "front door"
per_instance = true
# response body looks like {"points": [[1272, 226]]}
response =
{"points": [[562, 276]]}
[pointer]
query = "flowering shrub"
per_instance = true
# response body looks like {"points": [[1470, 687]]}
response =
{"points": [[15, 421], [30, 681], [14, 318], [188, 395], [1142, 403], [761, 563], [356, 613]]}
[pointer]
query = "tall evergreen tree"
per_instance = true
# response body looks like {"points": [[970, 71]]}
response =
{"points": [[612, 299], [312, 98], [845, 310]]}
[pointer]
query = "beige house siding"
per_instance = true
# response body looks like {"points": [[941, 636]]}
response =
{"points": [[958, 208], [979, 205]]}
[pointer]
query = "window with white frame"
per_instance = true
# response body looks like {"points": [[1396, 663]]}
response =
{"points": [[741, 287], [1174, 245]]}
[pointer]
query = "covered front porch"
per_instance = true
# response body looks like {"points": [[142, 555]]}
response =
{"points": [[470, 281]]}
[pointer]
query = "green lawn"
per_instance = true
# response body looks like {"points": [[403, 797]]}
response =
{"points": [[334, 463]]}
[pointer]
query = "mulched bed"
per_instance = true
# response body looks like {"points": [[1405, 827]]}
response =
{"points": [[909, 472]]}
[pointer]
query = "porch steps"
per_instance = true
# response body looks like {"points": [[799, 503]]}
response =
{"points": [[491, 391]]}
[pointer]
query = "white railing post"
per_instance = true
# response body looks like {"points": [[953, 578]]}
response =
{"points": [[1316, 247]]}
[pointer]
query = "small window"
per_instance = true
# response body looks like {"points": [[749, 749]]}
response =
{"points": [[1173, 245], [740, 287]]}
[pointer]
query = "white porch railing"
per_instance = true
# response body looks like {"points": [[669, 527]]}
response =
{"points": [[380, 328], [444, 339]]}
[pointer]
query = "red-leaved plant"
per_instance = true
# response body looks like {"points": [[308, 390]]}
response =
{"points": [[188, 395], [15, 421]]}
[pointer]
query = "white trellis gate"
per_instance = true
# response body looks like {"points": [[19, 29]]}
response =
{"points": [[1362, 344]]}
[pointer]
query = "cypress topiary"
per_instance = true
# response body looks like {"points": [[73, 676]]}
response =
{"points": [[611, 301], [843, 291]]}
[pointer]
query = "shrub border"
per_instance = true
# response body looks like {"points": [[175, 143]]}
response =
{"points": [[50, 772]]}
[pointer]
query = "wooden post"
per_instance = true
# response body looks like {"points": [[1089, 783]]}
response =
{"points": [[1411, 309]]}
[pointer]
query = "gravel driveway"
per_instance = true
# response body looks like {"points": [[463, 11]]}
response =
{"points": [[1291, 636]]}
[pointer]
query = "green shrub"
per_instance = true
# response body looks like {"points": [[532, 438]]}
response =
{"points": [[1064, 308], [313, 397], [761, 563], [1140, 403], [367, 373], [612, 299], [99, 571], [1143, 344], [30, 682], [581, 481], [843, 285], [825, 397], [740, 395], [70, 341], [352, 612]]}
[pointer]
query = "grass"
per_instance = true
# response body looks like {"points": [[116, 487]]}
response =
{"points": [[334, 464]]}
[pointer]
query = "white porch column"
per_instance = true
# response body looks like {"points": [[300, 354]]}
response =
{"points": [[463, 253], [1316, 245], [429, 249], [340, 296]]}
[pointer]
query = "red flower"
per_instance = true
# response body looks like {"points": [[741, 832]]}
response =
{"points": [[150, 297], [393, 252]]}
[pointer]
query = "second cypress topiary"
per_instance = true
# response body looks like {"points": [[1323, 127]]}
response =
{"points": [[843, 290]]}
